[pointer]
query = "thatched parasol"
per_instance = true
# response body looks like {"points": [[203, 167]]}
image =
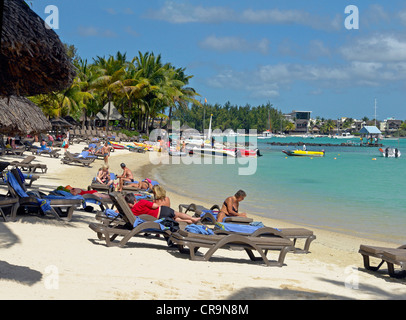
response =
{"points": [[19, 115], [32, 58], [60, 122]]}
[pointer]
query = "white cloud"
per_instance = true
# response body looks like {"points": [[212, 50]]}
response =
{"points": [[175, 12], [230, 44], [377, 48], [269, 80], [95, 32]]}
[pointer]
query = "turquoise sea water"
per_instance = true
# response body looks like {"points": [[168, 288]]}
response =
{"points": [[344, 191]]}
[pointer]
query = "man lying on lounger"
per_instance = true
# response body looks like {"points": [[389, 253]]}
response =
{"points": [[159, 212]]}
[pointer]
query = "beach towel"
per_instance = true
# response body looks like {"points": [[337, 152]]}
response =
{"points": [[240, 228], [61, 194], [201, 229], [161, 223], [85, 155], [111, 213], [44, 204]]}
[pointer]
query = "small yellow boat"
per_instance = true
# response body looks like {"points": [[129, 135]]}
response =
{"points": [[303, 153]]}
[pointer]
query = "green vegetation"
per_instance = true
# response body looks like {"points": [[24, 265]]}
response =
{"points": [[141, 89], [232, 117]]}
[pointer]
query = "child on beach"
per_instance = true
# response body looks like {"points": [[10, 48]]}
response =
{"points": [[153, 209]]}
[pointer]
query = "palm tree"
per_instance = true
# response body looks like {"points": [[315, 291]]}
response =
{"points": [[111, 74]]}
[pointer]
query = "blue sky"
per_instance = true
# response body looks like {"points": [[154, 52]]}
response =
{"points": [[295, 54]]}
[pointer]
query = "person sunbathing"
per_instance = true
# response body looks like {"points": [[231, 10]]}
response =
{"points": [[81, 192], [230, 206], [153, 209], [145, 184], [160, 197], [103, 176], [127, 176]]}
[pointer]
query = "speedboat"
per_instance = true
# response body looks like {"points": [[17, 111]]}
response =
{"points": [[303, 153], [390, 152], [213, 152]]}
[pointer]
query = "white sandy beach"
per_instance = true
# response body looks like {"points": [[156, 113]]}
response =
{"points": [[42, 258]]}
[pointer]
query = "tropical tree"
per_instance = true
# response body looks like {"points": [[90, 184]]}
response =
{"points": [[111, 74]]}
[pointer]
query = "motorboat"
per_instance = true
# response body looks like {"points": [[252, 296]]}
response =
{"points": [[304, 153], [344, 135], [212, 152], [390, 152], [266, 135]]}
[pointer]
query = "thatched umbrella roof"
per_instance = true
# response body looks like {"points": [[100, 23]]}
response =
{"points": [[60, 122], [19, 115], [32, 58]]}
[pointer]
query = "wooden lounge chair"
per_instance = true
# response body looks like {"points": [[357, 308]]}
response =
{"points": [[54, 153], [209, 217], [62, 209], [195, 241], [8, 202], [291, 233], [29, 178], [26, 160], [15, 151], [27, 165], [389, 255], [109, 232], [69, 158], [395, 257]]}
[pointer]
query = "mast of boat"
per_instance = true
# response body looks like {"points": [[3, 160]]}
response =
{"points": [[375, 112], [269, 119], [209, 132]]}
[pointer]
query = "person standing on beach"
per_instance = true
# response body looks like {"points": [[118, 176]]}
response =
{"points": [[230, 206], [127, 176], [106, 153]]}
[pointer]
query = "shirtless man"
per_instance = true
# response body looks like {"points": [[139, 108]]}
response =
{"points": [[126, 176], [230, 206], [105, 151]]}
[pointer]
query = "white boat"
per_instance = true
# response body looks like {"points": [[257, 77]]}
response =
{"points": [[212, 152], [344, 135], [390, 152], [266, 135]]}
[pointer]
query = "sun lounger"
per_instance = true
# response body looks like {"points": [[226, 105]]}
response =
{"points": [[26, 160], [27, 165], [69, 158], [395, 257], [194, 241], [259, 230], [54, 153], [210, 215], [15, 151], [128, 229], [8, 203], [62, 209], [389, 255]]}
